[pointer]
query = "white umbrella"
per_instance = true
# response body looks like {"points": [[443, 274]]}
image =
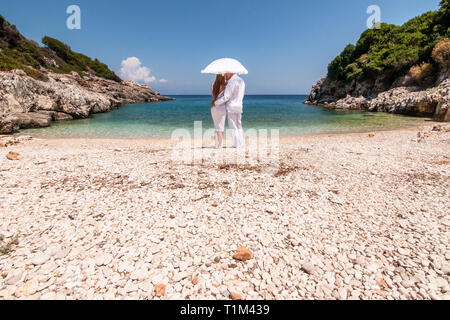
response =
{"points": [[225, 65]]}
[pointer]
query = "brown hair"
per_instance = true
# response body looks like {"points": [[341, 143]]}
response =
{"points": [[218, 86]]}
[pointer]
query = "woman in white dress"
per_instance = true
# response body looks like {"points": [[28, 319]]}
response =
{"points": [[219, 113]]}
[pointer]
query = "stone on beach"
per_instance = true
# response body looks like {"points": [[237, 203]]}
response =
{"points": [[308, 268], [40, 258], [13, 156], [14, 277], [243, 254], [160, 290], [236, 296]]}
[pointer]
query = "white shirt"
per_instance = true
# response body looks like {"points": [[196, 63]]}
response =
{"points": [[233, 95]]}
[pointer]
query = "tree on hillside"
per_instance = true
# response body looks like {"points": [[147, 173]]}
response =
{"points": [[392, 50]]}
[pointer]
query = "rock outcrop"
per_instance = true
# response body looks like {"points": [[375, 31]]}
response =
{"points": [[401, 97], [398, 69], [29, 103]]}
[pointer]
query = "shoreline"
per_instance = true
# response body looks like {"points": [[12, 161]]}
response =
{"points": [[429, 123]]}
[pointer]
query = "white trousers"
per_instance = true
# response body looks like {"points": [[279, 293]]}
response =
{"points": [[235, 126]]}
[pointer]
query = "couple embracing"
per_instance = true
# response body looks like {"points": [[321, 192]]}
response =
{"points": [[227, 100]]}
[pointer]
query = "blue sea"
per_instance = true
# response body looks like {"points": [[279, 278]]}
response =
{"points": [[287, 113]]}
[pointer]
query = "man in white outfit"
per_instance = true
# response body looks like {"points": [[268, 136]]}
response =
{"points": [[233, 98]]}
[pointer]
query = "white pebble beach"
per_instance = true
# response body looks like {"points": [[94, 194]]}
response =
{"points": [[347, 216]]}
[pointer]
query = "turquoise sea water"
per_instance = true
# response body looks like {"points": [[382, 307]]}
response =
{"points": [[159, 120]]}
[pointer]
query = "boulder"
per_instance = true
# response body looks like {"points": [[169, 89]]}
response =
{"points": [[60, 116], [33, 120], [9, 124], [443, 110]]}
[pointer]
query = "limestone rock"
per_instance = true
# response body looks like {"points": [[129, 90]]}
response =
{"points": [[27, 289], [13, 156], [29, 103], [400, 97], [308, 268], [14, 277], [40, 259], [243, 254], [235, 296], [160, 290], [60, 116]]}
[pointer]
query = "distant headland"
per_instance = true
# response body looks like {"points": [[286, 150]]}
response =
{"points": [[39, 85]]}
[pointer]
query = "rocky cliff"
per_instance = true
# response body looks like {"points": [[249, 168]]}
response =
{"points": [[432, 102], [29, 103], [398, 69], [39, 85]]}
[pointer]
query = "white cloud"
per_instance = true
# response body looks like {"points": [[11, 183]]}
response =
{"points": [[163, 80], [132, 69]]}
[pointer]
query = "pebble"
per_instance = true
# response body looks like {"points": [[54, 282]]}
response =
{"points": [[331, 250], [343, 293], [14, 277], [308, 268], [235, 296], [26, 289], [160, 290], [407, 283], [372, 268], [243, 254], [180, 276], [103, 260], [61, 254], [40, 259]]}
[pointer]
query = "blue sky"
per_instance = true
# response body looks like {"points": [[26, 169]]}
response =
{"points": [[285, 44]]}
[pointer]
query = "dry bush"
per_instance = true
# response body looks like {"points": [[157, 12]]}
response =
{"points": [[363, 59], [423, 74], [441, 53], [36, 74]]}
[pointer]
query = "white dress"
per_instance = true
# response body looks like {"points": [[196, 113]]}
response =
{"points": [[219, 115]]}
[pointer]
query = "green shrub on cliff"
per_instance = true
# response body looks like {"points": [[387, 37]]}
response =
{"points": [[392, 50], [337, 68], [17, 52], [78, 62]]}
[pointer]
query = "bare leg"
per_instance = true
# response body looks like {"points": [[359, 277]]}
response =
{"points": [[219, 139]]}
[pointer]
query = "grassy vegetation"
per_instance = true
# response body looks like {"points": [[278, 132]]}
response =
{"points": [[392, 50], [78, 62], [17, 52]]}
